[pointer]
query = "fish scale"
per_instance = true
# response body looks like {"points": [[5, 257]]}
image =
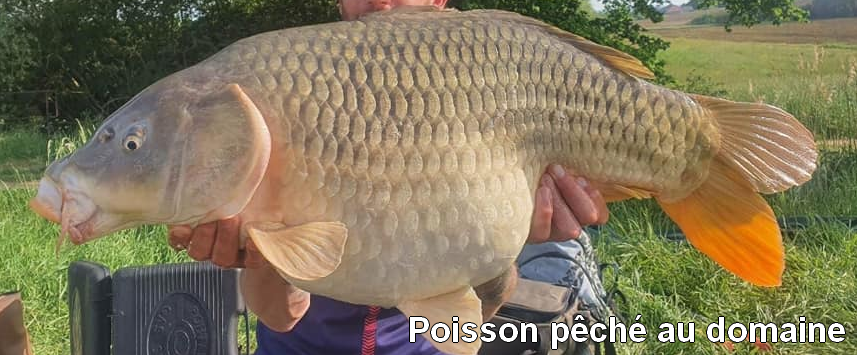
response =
{"points": [[441, 68], [393, 160]]}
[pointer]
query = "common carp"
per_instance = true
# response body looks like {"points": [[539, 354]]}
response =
{"points": [[392, 160]]}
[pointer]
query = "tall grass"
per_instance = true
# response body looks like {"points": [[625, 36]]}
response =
{"points": [[62, 145], [815, 83], [21, 153], [24, 154]]}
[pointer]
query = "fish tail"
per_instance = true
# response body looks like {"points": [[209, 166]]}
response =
{"points": [[763, 150]]}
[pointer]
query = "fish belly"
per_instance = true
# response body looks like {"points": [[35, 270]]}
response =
{"points": [[427, 138]]}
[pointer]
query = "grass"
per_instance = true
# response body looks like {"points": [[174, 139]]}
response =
{"points": [[680, 19], [22, 156], [670, 282], [816, 83], [663, 280]]}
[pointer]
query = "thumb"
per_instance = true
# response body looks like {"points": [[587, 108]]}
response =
{"points": [[179, 236], [253, 257], [179, 229]]}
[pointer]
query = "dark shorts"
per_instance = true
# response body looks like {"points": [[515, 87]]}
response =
{"points": [[331, 327]]}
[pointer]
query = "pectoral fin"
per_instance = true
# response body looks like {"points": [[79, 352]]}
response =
{"points": [[462, 303], [306, 252]]}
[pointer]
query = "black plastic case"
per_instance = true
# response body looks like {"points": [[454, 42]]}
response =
{"points": [[89, 308], [189, 308]]}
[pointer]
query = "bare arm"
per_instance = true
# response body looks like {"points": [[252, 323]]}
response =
{"points": [[278, 304]]}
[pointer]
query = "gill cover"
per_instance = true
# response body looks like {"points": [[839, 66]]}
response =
{"points": [[225, 156]]}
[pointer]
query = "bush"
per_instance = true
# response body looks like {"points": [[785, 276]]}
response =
{"points": [[710, 19], [700, 84]]}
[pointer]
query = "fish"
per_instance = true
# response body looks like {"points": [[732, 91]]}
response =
{"points": [[393, 160]]}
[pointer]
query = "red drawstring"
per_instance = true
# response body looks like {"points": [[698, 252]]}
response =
{"points": [[370, 325]]}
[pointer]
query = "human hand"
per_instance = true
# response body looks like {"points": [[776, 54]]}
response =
{"points": [[278, 304], [218, 241], [564, 205]]}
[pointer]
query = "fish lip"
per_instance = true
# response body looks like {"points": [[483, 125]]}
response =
{"points": [[63, 206], [77, 232], [48, 201]]}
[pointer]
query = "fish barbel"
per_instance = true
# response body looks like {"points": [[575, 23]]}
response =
{"points": [[393, 160]]}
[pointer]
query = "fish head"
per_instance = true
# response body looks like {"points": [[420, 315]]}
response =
{"points": [[174, 154]]}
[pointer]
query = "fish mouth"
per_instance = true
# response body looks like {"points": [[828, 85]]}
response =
{"points": [[75, 214], [48, 201], [77, 233]]}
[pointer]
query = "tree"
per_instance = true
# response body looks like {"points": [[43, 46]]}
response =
{"points": [[109, 50], [16, 60], [749, 13]]}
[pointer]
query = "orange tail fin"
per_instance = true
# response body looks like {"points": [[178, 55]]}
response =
{"points": [[764, 150]]}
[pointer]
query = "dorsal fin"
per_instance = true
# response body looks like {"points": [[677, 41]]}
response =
{"points": [[612, 57]]}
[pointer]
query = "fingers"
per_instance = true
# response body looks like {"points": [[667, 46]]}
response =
{"points": [[564, 205], [179, 237], [540, 228], [575, 197], [564, 222], [253, 258], [202, 241], [219, 242], [600, 204], [226, 248]]}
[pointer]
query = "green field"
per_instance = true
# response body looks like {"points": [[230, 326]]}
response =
{"points": [[840, 30], [816, 83], [664, 281]]}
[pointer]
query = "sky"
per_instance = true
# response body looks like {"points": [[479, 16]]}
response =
{"points": [[598, 6]]}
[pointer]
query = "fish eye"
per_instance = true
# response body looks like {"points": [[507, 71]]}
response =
{"points": [[132, 142]]}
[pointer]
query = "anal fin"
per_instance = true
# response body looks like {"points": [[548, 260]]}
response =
{"points": [[615, 192], [462, 303], [732, 224], [306, 252]]}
